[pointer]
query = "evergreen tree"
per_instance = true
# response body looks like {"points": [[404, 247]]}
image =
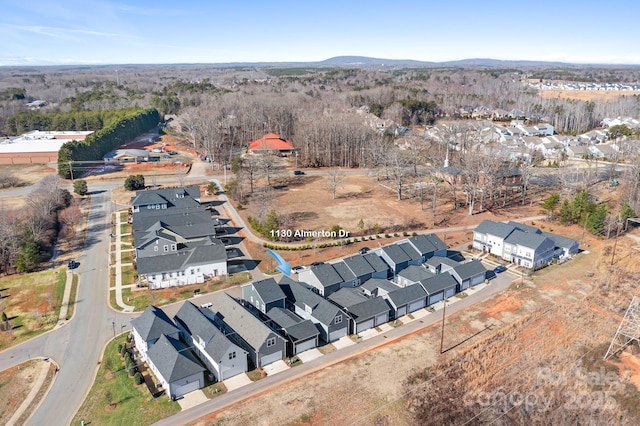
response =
{"points": [[596, 218], [29, 257], [80, 187], [550, 205], [134, 183]]}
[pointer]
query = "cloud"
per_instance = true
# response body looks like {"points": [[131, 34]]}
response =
{"points": [[59, 32]]}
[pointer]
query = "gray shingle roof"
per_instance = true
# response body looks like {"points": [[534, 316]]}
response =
{"points": [[526, 239], [422, 244], [173, 360], [251, 329], [326, 274], [560, 241], [344, 271], [406, 295], [181, 260], [368, 309], [415, 273], [373, 283], [358, 265], [295, 327], [470, 269], [346, 297], [439, 260], [396, 254], [196, 323], [410, 251], [438, 283], [322, 310], [268, 290], [499, 229], [436, 241], [376, 262], [153, 323]]}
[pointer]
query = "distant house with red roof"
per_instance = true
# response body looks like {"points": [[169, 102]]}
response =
{"points": [[271, 143]]}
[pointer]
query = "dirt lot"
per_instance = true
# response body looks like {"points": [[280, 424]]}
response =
{"points": [[585, 95]]}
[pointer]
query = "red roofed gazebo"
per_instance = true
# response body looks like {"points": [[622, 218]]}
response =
{"points": [[271, 143]]}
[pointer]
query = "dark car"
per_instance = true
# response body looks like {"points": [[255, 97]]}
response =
{"points": [[317, 263], [72, 264], [298, 172], [499, 268], [364, 250]]}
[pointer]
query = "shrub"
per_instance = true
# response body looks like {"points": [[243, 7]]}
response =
{"points": [[414, 234], [405, 234], [138, 379], [387, 236], [80, 187], [134, 182]]}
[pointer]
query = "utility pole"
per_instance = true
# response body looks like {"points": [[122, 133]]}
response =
{"points": [[615, 242], [71, 170], [444, 309]]}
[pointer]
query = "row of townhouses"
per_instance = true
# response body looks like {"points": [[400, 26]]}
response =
{"points": [[274, 320], [174, 236]]}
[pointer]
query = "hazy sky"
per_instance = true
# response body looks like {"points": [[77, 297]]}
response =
{"points": [[41, 32]]}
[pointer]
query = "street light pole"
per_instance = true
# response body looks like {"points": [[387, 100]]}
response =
{"points": [[444, 309]]}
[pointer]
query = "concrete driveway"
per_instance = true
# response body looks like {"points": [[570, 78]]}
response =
{"points": [[275, 367], [192, 399]]}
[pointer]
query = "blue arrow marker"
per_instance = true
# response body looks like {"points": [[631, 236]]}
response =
{"points": [[284, 267]]}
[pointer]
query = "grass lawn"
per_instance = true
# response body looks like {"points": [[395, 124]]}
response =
{"points": [[72, 297], [140, 298], [255, 375], [32, 303], [114, 399]]}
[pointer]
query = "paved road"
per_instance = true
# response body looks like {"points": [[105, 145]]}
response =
{"points": [[77, 346]]}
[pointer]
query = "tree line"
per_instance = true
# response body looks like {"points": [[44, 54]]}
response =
{"points": [[130, 124]]}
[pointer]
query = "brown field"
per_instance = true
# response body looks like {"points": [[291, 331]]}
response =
{"points": [[585, 95]]}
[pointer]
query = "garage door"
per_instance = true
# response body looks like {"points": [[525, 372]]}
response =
{"points": [[414, 306], [337, 334], [402, 311], [450, 292], [382, 319], [304, 346], [436, 298], [189, 387], [365, 325], [268, 359], [464, 285]]}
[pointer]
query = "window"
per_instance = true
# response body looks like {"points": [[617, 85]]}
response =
{"points": [[232, 355], [166, 247], [338, 319], [271, 342], [173, 247], [155, 248]]}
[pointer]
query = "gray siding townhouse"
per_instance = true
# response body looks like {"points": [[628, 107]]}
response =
{"points": [[395, 257], [528, 249], [377, 287], [469, 274], [365, 312], [521, 244], [331, 321], [428, 246], [412, 274], [175, 366], [406, 300], [302, 334], [263, 344], [174, 237], [324, 278], [381, 269], [349, 279], [439, 264], [264, 295], [149, 326], [222, 357], [438, 288], [360, 268]]}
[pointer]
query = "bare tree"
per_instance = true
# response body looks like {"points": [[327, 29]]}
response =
{"points": [[335, 180]]}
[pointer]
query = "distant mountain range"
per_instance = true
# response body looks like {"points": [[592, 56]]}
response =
{"points": [[364, 61]]}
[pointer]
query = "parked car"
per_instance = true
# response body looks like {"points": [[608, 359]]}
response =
{"points": [[298, 172], [317, 263], [206, 305], [499, 268], [156, 150], [297, 269], [364, 250], [72, 264]]}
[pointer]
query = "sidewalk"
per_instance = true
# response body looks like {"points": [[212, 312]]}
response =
{"points": [[118, 265], [37, 384], [64, 308]]}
